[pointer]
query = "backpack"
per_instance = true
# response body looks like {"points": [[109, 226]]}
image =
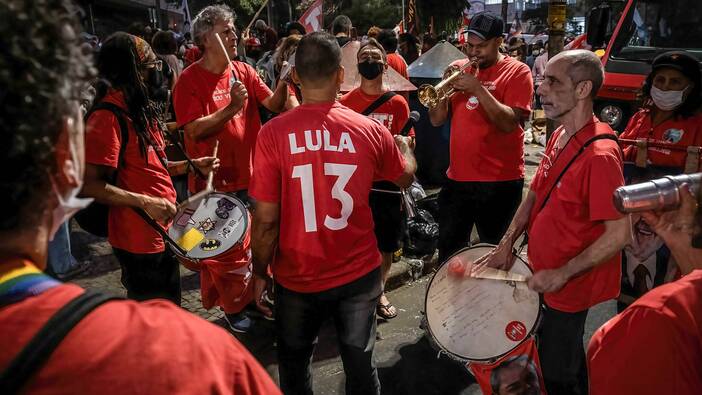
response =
{"points": [[93, 219]]}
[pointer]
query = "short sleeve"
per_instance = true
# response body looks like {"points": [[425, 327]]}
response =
{"points": [[266, 178], [102, 139], [187, 104], [605, 175], [631, 131], [256, 85], [391, 165], [633, 354], [520, 90]]}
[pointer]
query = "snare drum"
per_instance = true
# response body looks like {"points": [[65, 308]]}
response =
{"points": [[473, 319], [210, 228]]}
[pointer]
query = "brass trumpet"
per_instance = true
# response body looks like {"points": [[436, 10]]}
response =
{"points": [[430, 96]]}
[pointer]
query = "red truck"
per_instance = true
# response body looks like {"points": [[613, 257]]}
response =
{"points": [[642, 29]]}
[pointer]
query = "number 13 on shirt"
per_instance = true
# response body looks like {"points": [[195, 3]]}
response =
{"points": [[343, 173]]}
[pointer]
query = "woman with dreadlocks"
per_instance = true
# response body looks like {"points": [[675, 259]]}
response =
{"points": [[127, 169]]}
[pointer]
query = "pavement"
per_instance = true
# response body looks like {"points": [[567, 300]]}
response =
{"points": [[407, 363]]}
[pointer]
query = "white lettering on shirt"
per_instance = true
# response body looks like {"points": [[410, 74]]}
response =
{"points": [[322, 140]]}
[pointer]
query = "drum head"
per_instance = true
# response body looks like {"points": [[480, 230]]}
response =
{"points": [[211, 226], [479, 319]]}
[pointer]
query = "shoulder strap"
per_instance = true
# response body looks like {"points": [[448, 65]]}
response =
{"points": [[123, 128], [43, 344], [607, 136], [378, 102]]}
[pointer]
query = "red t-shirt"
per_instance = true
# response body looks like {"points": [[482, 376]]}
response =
{"points": [[654, 346], [318, 161], [127, 347], [398, 63], [199, 93], [574, 216], [680, 132], [147, 176], [393, 114], [479, 151]]}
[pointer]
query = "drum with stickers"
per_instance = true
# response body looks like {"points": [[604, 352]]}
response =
{"points": [[211, 227], [480, 319]]}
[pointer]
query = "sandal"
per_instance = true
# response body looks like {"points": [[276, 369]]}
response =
{"points": [[386, 311]]}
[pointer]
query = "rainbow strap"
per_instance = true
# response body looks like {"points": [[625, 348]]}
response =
{"points": [[23, 281]]}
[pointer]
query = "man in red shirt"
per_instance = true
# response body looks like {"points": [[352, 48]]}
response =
{"points": [[486, 169], [655, 345], [122, 346], [134, 174], [385, 198], [575, 233], [388, 39], [313, 171], [218, 101]]}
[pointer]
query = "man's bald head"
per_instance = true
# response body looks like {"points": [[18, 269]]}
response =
{"points": [[582, 65]]}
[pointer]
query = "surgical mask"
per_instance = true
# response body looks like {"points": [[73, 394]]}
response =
{"points": [[370, 71], [667, 100], [69, 204]]}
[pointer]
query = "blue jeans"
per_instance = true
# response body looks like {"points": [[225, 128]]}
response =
{"points": [[60, 259]]}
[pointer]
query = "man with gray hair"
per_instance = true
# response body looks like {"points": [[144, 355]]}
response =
{"points": [[217, 101], [575, 232]]}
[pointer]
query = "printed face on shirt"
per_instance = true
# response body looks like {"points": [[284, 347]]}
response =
{"points": [[485, 52], [227, 33], [517, 378]]}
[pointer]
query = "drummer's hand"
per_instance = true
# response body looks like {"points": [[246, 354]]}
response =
{"points": [[675, 227], [207, 164], [159, 209], [261, 285], [499, 258], [545, 281]]}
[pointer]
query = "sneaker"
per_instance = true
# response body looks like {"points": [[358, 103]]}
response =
{"points": [[239, 323]]}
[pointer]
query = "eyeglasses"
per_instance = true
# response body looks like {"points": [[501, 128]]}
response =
{"points": [[157, 64]]}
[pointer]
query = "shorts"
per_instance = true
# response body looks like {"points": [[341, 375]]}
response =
{"points": [[389, 220]]}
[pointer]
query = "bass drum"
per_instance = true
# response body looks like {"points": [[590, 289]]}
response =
{"points": [[472, 319]]}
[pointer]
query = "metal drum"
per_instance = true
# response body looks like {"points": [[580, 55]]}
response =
{"points": [[210, 227], [472, 319]]}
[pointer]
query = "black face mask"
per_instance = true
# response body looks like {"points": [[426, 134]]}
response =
{"points": [[370, 71]]}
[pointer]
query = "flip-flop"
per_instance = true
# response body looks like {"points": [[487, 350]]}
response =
{"points": [[384, 311]]}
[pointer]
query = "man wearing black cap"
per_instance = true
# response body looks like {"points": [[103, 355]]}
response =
{"points": [[486, 170]]}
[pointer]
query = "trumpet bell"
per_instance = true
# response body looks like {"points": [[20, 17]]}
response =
{"points": [[428, 95]]}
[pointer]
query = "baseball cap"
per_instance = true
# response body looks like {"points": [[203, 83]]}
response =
{"points": [[682, 61], [486, 25]]}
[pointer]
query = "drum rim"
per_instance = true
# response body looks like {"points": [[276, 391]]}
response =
{"points": [[247, 220], [530, 333]]}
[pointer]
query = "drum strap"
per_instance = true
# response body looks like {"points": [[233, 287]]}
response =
{"points": [[42, 345], [378, 102]]}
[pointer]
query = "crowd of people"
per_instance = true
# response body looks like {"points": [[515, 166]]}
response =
{"points": [[88, 127]]}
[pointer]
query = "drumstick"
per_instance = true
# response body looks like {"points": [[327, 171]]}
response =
{"points": [[256, 15], [490, 273], [208, 186], [221, 45]]}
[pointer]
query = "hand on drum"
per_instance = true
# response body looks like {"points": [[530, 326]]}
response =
{"points": [[159, 209], [207, 164], [545, 281], [263, 286], [500, 258]]}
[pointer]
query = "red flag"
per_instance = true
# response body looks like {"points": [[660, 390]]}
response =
{"points": [[312, 18]]}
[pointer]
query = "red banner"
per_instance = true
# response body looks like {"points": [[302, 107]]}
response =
{"points": [[312, 18]]}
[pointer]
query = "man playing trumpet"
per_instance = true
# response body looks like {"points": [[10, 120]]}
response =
{"points": [[486, 169]]}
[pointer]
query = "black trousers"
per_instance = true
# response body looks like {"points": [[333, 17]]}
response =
{"points": [[489, 206], [298, 319], [561, 352], [150, 276]]}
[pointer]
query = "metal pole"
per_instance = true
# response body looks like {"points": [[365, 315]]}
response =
{"points": [[504, 11], [556, 34], [404, 27]]}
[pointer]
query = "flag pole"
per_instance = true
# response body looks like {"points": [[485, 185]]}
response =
{"points": [[404, 27]]}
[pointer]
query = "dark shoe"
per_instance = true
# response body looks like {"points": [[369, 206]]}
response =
{"points": [[386, 311], [239, 323]]}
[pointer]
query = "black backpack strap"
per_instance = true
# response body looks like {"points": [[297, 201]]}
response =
{"points": [[582, 149], [43, 344], [378, 102], [123, 128]]}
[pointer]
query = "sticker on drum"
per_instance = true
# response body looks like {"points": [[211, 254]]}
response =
{"points": [[210, 226], [479, 319]]}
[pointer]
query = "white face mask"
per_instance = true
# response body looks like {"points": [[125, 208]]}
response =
{"points": [[70, 204], [667, 100]]}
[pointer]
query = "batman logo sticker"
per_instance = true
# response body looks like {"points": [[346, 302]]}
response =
{"points": [[210, 245]]}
